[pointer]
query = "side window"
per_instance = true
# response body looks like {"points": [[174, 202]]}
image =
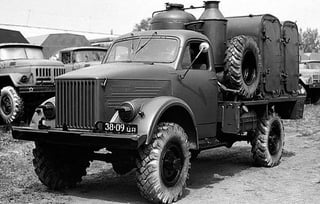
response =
{"points": [[191, 51], [66, 58], [120, 53]]}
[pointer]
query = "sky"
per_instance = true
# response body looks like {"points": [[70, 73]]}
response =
{"points": [[103, 17]]}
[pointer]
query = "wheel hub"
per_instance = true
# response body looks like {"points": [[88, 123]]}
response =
{"points": [[171, 164], [6, 105]]}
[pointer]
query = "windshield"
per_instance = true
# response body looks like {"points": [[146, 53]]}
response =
{"points": [[148, 49], [83, 56], [9, 53], [88, 56]]}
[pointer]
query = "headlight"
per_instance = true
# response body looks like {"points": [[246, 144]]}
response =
{"points": [[49, 110], [24, 79], [127, 112]]}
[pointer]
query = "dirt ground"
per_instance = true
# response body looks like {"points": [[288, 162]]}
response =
{"points": [[218, 176]]}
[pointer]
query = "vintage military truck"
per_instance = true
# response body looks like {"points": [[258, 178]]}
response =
{"points": [[164, 95], [78, 57], [26, 80]]}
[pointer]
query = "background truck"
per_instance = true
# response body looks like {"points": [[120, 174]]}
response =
{"points": [[164, 95], [78, 57], [26, 80]]}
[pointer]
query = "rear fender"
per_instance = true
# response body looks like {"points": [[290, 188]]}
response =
{"points": [[163, 109]]}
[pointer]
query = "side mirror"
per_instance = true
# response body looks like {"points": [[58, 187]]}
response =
{"points": [[204, 47]]}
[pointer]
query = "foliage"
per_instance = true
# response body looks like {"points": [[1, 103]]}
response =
{"points": [[310, 40], [143, 25]]}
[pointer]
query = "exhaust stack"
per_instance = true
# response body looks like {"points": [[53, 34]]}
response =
{"points": [[215, 28]]}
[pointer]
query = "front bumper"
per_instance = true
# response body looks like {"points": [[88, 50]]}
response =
{"points": [[79, 138]]}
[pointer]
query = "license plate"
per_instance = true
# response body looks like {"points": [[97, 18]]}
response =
{"points": [[121, 128]]}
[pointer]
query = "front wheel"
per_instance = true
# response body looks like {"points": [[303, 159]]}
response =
{"points": [[163, 165], [267, 144], [11, 105]]}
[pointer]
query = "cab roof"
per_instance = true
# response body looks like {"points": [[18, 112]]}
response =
{"points": [[182, 34], [84, 48], [19, 45]]}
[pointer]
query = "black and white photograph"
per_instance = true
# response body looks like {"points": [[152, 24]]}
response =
{"points": [[187, 102]]}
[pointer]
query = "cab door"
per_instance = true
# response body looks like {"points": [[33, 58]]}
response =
{"points": [[198, 88]]}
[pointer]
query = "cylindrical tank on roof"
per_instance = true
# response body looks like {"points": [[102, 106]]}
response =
{"points": [[215, 27], [174, 17]]}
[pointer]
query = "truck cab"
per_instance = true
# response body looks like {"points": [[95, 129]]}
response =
{"points": [[78, 57], [144, 65], [189, 77]]}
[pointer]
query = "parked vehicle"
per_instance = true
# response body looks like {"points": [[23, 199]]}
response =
{"points": [[310, 79], [162, 96], [79, 57], [26, 80]]}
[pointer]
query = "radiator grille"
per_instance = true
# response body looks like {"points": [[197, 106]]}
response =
{"points": [[48, 74], [75, 101], [58, 72], [43, 72]]}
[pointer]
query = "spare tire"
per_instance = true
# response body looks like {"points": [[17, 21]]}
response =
{"points": [[243, 65], [11, 104]]}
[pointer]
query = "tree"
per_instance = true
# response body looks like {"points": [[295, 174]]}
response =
{"points": [[310, 40], [143, 25]]}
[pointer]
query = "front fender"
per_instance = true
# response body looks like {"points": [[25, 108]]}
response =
{"points": [[12, 79], [151, 111]]}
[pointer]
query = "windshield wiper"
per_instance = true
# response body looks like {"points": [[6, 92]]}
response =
{"points": [[144, 44]]}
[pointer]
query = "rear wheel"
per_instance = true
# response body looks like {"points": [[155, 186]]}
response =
{"points": [[163, 165], [267, 144], [60, 167]]}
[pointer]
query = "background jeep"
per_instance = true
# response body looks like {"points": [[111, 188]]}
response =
{"points": [[26, 79]]}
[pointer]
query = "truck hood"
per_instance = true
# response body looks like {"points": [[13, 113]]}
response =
{"points": [[30, 62], [121, 71]]}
